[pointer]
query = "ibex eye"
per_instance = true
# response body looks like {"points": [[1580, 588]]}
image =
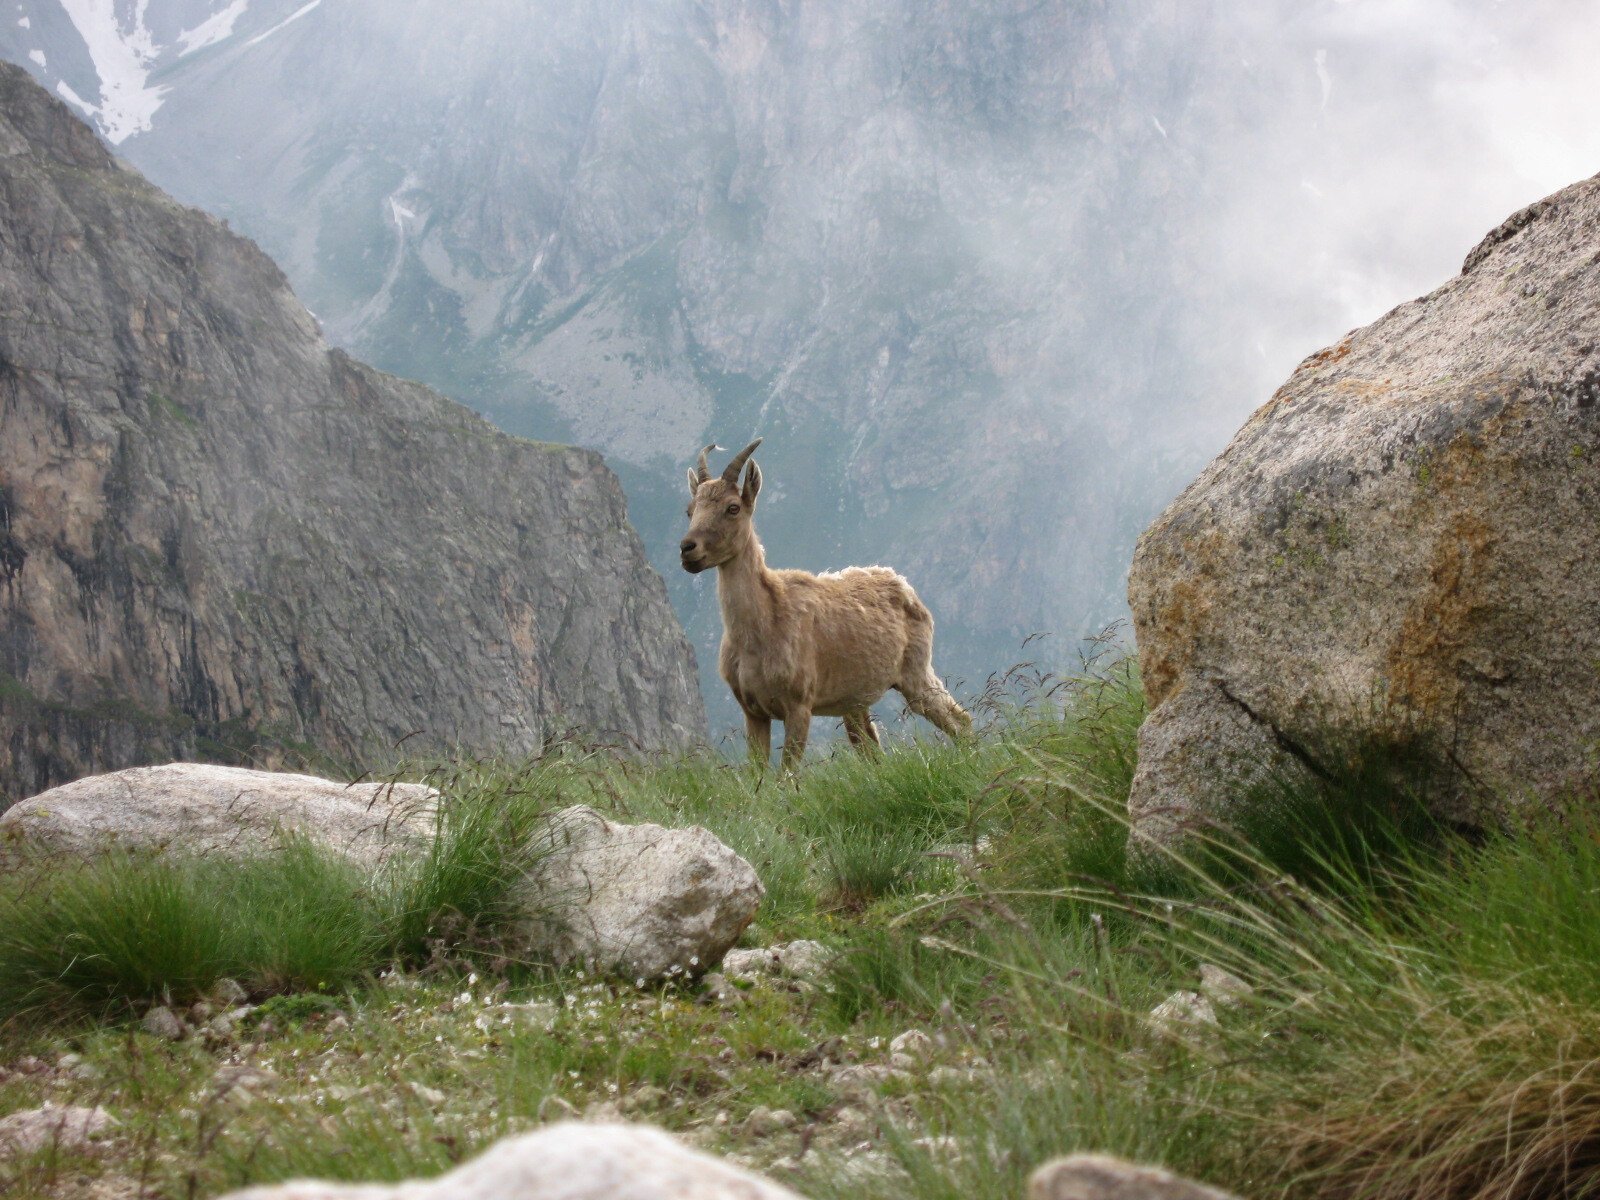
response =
{"points": [[733, 510]]}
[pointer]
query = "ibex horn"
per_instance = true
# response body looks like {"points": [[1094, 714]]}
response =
{"points": [[704, 468], [731, 471]]}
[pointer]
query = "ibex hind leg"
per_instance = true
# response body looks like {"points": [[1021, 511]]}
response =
{"points": [[929, 699], [863, 734]]}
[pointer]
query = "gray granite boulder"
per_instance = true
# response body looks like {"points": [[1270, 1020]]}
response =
{"points": [[1398, 552], [642, 901]]}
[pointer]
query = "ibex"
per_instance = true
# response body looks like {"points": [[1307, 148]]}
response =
{"points": [[797, 645]]}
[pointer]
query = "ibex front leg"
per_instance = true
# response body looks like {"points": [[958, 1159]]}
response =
{"points": [[796, 726], [758, 736]]}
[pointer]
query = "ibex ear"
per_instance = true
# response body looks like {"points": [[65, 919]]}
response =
{"points": [[694, 482], [752, 483]]}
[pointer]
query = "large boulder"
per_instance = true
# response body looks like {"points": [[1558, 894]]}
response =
{"points": [[642, 901], [1400, 550], [570, 1161], [195, 808]]}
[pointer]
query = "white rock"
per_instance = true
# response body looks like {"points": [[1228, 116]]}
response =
{"points": [[569, 1161], [1223, 988], [198, 808], [643, 901], [764, 1122], [1102, 1177], [67, 1127], [801, 959], [1180, 1014], [913, 1043]]}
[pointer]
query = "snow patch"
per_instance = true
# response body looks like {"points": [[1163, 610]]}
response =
{"points": [[215, 28], [122, 51], [25, 23], [72, 97], [37, 56], [290, 19]]}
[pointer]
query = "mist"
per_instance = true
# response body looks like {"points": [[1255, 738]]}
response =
{"points": [[995, 281]]}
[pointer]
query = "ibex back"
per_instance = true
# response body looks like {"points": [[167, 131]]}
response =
{"points": [[797, 645]]}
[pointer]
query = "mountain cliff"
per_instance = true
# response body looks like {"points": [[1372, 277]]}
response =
{"points": [[220, 538]]}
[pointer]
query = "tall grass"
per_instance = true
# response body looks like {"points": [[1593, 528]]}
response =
{"points": [[1423, 1021]]}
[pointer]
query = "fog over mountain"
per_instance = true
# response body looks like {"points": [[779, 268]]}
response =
{"points": [[993, 279]]}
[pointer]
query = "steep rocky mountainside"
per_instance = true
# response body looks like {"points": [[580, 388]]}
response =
{"points": [[993, 278], [218, 538], [1399, 552]]}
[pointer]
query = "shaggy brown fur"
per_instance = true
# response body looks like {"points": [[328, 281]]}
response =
{"points": [[797, 645]]}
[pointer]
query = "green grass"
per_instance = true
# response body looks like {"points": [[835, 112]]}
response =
{"points": [[1423, 1020]]}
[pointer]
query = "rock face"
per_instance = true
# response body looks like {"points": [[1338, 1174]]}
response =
{"points": [[643, 901], [1102, 1177], [1401, 548], [219, 536], [569, 1161], [197, 808]]}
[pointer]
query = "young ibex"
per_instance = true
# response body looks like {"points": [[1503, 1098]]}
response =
{"points": [[797, 645]]}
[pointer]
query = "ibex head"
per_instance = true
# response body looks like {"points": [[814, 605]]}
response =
{"points": [[720, 509]]}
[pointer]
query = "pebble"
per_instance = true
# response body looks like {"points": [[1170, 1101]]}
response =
{"points": [[163, 1023]]}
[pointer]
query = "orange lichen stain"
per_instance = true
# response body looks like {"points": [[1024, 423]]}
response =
{"points": [[1332, 354], [1169, 640], [1424, 660]]}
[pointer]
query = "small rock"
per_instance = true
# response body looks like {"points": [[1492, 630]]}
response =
{"points": [[914, 1044], [801, 959], [1223, 988], [163, 1023], [854, 1123], [642, 1099], [75, 1066], [67, 1127], [764, 1122], [432, 1097], [31, 1065], [1180, 1014], [200, 1012], [555, 1107], [1102, 1177], [229, 993], [865, 1077], [240, 1085], [720, 991]]}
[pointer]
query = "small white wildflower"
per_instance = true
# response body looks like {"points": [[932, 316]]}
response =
{"points": [[612, 1088], [464, 998], [694, 960], [472, 979], [639, 983]]}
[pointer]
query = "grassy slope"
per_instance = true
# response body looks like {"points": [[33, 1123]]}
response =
{"points": [[1423, 1020]]}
